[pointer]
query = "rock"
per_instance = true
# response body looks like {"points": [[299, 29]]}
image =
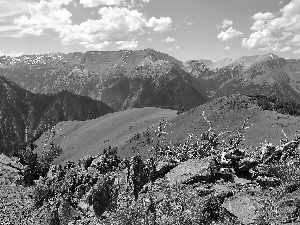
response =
{"points": [[164, 166], [83, 206], [244, 207], [246, 164], [100, 196], [266, 182], [260, 170], [193, 171], [241, 181], [12, 162], [226, 174], [222, 192]]}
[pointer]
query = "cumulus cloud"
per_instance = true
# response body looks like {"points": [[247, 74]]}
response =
{"points": [[274, 30], [94, 3], [229, 34], [263, 16], [44, 15], [119, 24], [296, 39], [127, 44], [285, 49], [116, 24], [10, 8], [162, 24], [227, 48], [296, 51], [126, 3], [169, 40], [258, 39], [226, 23], [188, 23], [177, 47]]}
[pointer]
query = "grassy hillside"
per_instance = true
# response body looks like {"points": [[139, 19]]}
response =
{"points": [[228, 113], [80, 138], [225, 114]]}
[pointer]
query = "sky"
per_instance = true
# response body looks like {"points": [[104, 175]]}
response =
{"points": [[184, 29]]}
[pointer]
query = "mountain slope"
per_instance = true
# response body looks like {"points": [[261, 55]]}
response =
{"points": [[80, 138], [268, 75], [24, 115], [121, 79], [119, 129], [227, 114]]}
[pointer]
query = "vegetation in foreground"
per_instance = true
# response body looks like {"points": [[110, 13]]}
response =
{"points": [[209, 179]]}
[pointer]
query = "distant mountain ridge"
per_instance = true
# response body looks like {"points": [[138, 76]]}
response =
{"points": [[147, 78], [24, 115], [122, 79], [268, 75]]}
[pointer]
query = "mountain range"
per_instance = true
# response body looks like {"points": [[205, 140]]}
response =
{"points": [[121, 79], [268, 75], [24, 115], [147, 78], [127, 79]]}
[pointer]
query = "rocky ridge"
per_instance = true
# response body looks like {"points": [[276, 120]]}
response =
{"points": [[121, 79], [267, 75], [24, 115]]}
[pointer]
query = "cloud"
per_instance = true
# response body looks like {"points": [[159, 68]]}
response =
{"points": [[94, 3], [149, 39], [263, 16], [12, 54], [296, 39], [259, 39], [177, 47], [127, 44], [226, 23], [227, 48], [272, 47], [116, 24], [16, 7], [296, 51], [280, 3], [169, 40], [188, 23], [272, 30], [162, 24], [44, 15], [97, 46], [229, 34], [120, 3], [285, 49]]}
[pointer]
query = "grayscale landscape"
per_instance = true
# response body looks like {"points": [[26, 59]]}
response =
{"points": [[149, 112]]}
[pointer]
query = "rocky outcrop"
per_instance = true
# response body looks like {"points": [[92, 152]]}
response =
{"points": [[193, 171]]}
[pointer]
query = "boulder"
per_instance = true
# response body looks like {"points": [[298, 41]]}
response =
{"points": [[193, 171], [246, 164], [222, 192], [99, 196], [266, 182], [12, 162], [243, 207], [164, 166]]}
